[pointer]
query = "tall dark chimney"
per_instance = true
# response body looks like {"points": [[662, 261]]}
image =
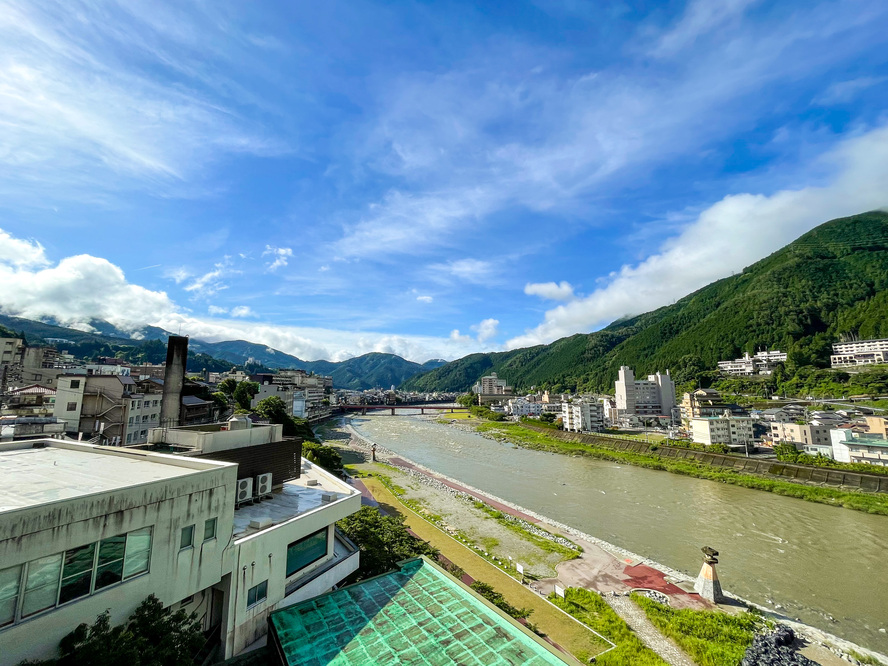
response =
{"points": [[173, 381]]}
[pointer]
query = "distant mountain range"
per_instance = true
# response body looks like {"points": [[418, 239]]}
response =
{"points": [[373, 370], [830, 283]]}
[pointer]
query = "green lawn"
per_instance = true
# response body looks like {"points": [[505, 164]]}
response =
{"points": [[711, 638]]}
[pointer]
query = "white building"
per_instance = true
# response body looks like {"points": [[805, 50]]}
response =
{"points": [[492, 385], [654, 396], [582, 416], [854, 447], [524, 407], [86, 528], [800, 435], [726, 429], [859, 352], [762, 363]]}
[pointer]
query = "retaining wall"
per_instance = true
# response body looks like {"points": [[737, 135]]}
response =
{"points": [[804, 473]]}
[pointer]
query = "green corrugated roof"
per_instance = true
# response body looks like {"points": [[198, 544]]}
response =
{"points": [[416, 615]]}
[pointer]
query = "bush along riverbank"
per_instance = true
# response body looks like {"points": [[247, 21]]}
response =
{"points": [[876, 503]]}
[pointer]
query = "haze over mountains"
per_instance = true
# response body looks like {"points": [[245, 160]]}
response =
{"points": [[829, 283], [361, 372]]}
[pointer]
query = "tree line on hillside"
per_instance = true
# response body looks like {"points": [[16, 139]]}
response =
{"points": [[830, 284]]}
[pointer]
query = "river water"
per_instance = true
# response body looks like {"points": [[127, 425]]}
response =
{"points": [[818, 562]]}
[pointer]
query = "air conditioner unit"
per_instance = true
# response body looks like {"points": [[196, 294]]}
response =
{"points": [[244, 490], [263, 484]]}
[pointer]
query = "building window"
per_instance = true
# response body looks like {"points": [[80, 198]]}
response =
{"points": [[187, 540], [75, 383], [42, 584], [72, 407], [209, 529], [138, 552], [10, 580], [306, 551], [257, 594], [110, 564], [77, 573], [187, 600]]}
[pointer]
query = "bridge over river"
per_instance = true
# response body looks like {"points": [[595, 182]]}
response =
{"points": [[403, 409]]}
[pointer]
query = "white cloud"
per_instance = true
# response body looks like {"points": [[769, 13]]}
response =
{"points": [[424, 299], [486, 329], [842, 92], [699, 19], [474, 271], [242, 311], [179, 274], [281, 256], [731, 234], [211, 282], [554, 291], [82, 288], [21, 253]]}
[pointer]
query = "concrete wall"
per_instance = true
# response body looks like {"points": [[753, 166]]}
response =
{"points": [[263, 556], [174, 380], [167, 506], [803, 473]]}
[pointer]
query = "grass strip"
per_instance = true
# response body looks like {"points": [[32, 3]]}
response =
{"points": [[593, 611], [573, 637], [859, 501], [711, 638]]}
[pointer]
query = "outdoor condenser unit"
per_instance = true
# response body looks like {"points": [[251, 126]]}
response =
{"points": [[244, 490], [263, 484]]}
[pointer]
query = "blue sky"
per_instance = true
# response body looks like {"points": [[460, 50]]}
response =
{"points": [[426, 178]]}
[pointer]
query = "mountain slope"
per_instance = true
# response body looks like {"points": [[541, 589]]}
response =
{"points": [[373, 370], [829, 283]]}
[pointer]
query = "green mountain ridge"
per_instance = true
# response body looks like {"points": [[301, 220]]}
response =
{"points": [[830, 283], [372, 370]]}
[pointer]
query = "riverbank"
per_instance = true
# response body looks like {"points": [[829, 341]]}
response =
{"points": [[608, 564], [874, 503]]}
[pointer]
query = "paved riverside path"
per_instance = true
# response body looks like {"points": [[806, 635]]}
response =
{"points": [[647, 632]]}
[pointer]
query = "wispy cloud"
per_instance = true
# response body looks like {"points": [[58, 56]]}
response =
{"points": [[843, 92], [700, 18], [553, 291], [212, 282], [280, 255], [726, 237], [242, 311]]}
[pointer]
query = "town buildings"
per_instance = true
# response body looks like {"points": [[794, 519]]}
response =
{"points": [[859, 352], [725, 429], [703, 403], [856, 447], [762, 363], [812, 439], [654, 396], [523, 407], [581, 415], [86, 528]]}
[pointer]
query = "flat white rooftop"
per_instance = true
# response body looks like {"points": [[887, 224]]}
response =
{"points": [[294, 499], [32, 477]]}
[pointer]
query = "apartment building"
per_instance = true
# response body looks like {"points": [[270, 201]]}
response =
{"points": [[11, 354], [859, 352], [524, 407], [855, 447], [801, 435], [654, 396], [492, 385], [85, 528], [582, 416], [762, 363], [725, 429]]}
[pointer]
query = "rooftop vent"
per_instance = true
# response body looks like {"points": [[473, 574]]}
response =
{"points": [[311, 482], [261, 523]]}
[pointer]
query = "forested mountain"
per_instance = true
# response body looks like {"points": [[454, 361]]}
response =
{"points": [[373, 370], [829, 284]]}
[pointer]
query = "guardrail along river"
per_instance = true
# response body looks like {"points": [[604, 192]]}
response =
{"points": [[825, 565]]}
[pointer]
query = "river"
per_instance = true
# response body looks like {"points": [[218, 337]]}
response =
{"points": [[818, 562]]}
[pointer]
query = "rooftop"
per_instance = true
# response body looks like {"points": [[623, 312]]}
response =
{"points": [[62, 470], [416, 615], [313, 489]]}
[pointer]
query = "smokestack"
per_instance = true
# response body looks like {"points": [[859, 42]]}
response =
{"points": [[173, 381]]}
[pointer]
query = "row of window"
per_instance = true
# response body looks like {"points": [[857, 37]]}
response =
{"points": [[145, 418], [137, 404], [300, 554], [186, 539], [47, 582]]}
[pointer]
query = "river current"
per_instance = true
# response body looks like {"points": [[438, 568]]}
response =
{"points": [[824, 565]]}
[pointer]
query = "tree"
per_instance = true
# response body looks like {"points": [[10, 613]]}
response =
{"points": [[383, 540], [325, 456], [499, 601], [274, 409], [227, 386], [243, 394], [466, 400], [153, 636]]}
